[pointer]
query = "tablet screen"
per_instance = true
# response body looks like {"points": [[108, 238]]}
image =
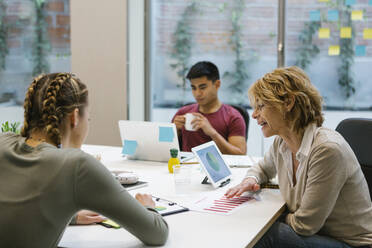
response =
{"points": [[213, 163]]}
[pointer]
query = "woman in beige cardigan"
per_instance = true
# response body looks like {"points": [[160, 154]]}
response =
{"points": [[319, 176]]}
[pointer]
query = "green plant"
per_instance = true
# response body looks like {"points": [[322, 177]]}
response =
{"points": [[307, 50], [345, 73], [41, 45], [12, 127], [182, 36], [238, 77], [3, 35]]}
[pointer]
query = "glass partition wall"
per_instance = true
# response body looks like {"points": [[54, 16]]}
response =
{"points": [[330, 40], [34, 39], [239, 36]]}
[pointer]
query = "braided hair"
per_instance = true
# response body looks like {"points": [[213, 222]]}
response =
{"points": [[49, 99]]}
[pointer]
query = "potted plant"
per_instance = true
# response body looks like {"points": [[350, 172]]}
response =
{"points": [[10, 127]]}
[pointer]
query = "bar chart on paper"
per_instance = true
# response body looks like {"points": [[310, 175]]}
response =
{"points": [[219, 204]]}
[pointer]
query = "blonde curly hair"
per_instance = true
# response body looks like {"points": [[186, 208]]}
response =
{"points": [[276, 87]]}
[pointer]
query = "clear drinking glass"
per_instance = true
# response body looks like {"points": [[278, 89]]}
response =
{"points": [[182, 178]]}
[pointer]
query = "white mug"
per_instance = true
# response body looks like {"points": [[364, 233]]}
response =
{"points": [[189, 117]]}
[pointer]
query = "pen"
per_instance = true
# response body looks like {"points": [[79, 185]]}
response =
{"points": [[269, 186], [189, 163]]}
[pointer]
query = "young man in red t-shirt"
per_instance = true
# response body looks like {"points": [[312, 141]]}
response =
{"points": [[213, 120]]}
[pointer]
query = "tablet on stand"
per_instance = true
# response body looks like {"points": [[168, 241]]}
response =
{"points": [[211, 160]]}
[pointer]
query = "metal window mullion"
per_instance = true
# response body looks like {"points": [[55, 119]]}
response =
{"points": [[147, 58], [281, 33]]}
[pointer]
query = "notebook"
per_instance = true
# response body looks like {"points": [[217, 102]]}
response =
{"points": [[145, 140]]}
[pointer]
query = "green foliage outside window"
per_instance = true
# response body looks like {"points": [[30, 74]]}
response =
{"points": [[41, 46], [3, 35], [307, 50], [345, 73], [183, 43], [239, 76]]}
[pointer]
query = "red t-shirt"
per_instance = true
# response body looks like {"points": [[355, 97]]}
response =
{"points": [[226, 120]]}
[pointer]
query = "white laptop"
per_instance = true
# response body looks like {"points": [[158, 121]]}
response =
{"points": [[144, 140]]}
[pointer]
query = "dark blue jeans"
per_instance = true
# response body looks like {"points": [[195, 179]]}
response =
{"points": [[281, 235]]}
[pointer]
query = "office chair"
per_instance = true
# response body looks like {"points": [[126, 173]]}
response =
{"points": [[358, 133], [245, 116]]}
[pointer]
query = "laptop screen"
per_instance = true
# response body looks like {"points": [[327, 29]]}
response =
{"points": [[145, 140]]}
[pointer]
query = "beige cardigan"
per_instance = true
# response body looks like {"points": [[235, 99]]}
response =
{"points": [[331, 196]]}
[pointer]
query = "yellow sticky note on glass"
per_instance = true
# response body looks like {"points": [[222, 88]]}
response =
{"points": [[357, 15], [333, 50], [345, 32], [367, 33], [323, 33]]}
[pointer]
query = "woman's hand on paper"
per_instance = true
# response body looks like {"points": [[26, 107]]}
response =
{"points": [[86, 217], [248, 184], [145, 200]]}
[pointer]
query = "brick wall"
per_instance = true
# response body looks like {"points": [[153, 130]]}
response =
{"points": [[20, 18], [211, 30]]}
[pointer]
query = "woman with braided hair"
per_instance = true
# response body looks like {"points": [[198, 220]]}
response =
{"points": [[46, 179]]}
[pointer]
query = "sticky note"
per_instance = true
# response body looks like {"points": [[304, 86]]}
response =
{"points": [[166, 134], [350, 2], [345, 32], [367, 33], [129, 147], [332, 15], [323, 1], [370, 2], [160, 208], [323, 33], [333, 50], [360, 50], [357, 15], [111, 223], [315, 16]]}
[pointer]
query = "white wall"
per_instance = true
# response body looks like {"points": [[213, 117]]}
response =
{"points": [[99, 58]]}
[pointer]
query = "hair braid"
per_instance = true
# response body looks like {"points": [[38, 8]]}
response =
{"points": [[51, 115], [28, 105], [49, 99]]}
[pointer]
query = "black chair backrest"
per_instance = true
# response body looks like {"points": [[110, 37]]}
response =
{"points": [[358, 133], [245, 116]]}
